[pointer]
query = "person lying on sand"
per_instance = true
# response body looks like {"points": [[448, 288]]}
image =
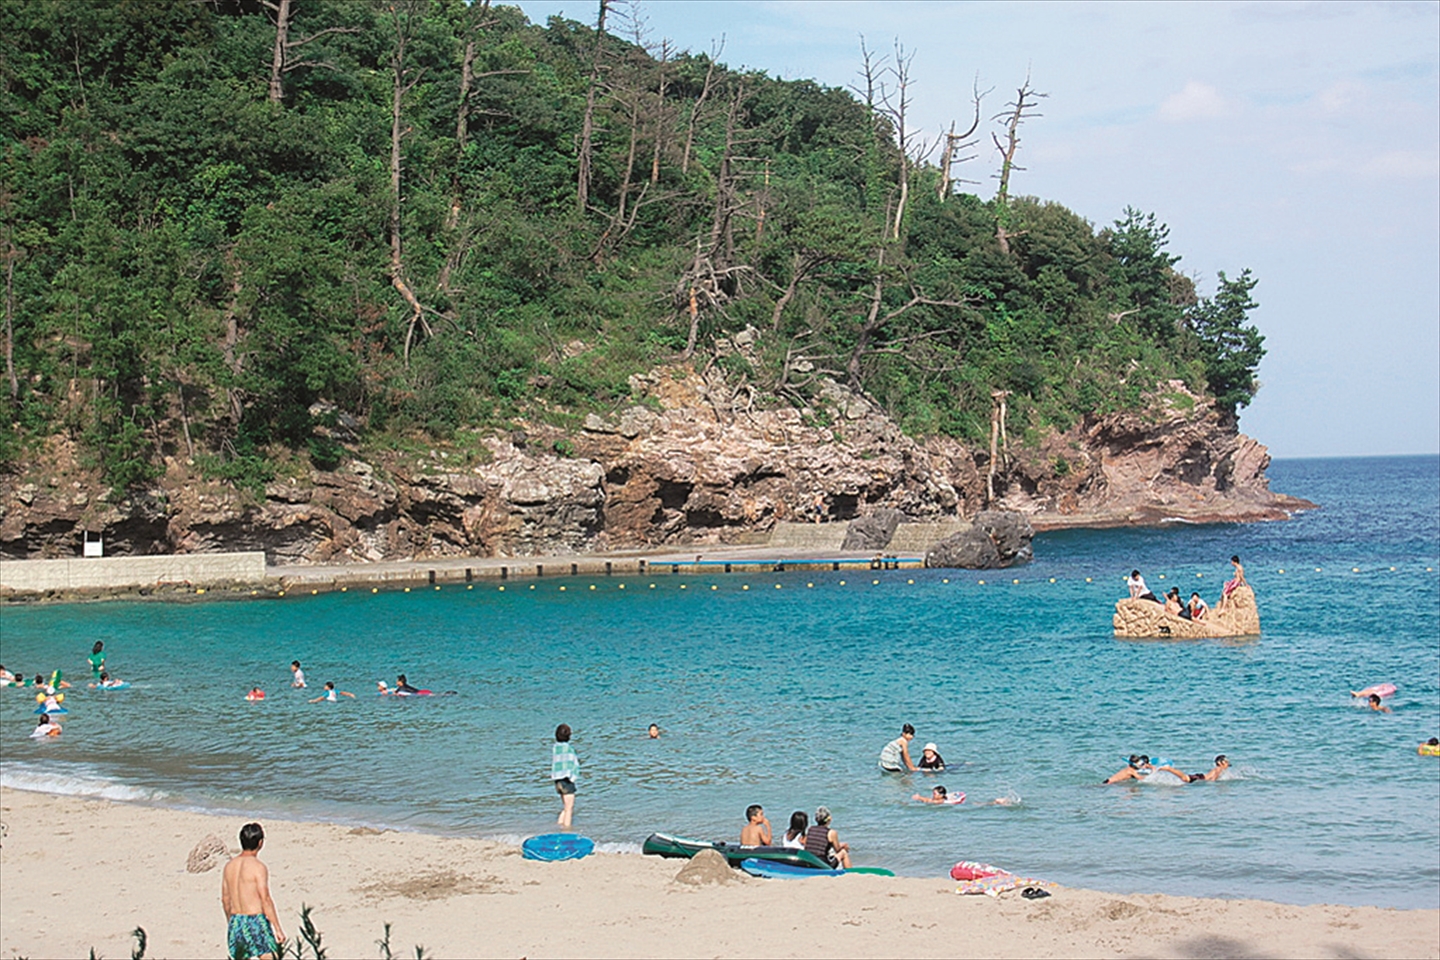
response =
{"points": [[1139, 766], [1221, 765], [756, 832], [330, 692]]}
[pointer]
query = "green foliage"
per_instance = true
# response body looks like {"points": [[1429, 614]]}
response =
{"points": [[192, 259], [1230, 348]]}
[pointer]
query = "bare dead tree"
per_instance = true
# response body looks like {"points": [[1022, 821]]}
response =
{"points": [[404, 76], [956, 142], [699, 104], [805, 264], [11, 254], [876, 318], [1017, 111], [896, 103], [281, 12], [587, 126]]}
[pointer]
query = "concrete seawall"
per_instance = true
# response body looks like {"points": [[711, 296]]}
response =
{"points": [[25, 577]]}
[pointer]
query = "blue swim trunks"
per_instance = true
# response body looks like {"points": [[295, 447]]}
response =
{"points": [[250, 936]]}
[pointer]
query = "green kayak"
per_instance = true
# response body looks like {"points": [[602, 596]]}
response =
{"points": [[664, 845]]}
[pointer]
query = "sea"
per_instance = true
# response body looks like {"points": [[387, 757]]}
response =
{"points": [[781, 688]]}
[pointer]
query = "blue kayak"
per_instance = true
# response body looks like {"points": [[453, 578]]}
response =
{"points": [[774, 870], [557, 846]]}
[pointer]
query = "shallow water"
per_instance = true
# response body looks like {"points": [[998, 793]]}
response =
{"points": [[785, 696]]}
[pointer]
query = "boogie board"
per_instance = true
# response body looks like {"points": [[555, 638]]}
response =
{"points": [[775, 870], [122, 685], [557, 846], [57, 710]]}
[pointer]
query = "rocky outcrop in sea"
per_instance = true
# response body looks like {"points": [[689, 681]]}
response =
{"points": [[695, 461]]}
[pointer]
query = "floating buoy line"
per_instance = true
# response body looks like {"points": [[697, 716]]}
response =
{"points": [[1109, 582]]}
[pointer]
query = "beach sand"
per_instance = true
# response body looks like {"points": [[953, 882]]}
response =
{"points": [[81, 873]]}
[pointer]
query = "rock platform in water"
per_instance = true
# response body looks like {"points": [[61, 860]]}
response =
{"points": [[1238, 616]]}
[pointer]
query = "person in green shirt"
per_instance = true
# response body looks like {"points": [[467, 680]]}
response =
{"points": [[97, 659], [564, 768]]}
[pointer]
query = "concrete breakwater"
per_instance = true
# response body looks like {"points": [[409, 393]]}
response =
{"points": [[246, 574]]}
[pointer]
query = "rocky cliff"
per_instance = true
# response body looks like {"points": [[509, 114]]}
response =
{"points": [[694, 462]]}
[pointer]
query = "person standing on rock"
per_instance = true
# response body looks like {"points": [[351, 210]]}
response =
{"points": [[1237, 581]]}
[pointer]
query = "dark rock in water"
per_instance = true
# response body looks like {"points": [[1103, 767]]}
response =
{"points": [[996, 539], [873, 532]]}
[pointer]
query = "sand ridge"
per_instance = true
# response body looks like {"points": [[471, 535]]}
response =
{"points": [[80, 873]]}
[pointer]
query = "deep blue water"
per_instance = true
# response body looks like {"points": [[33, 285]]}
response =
{"points": [[785, 696]]}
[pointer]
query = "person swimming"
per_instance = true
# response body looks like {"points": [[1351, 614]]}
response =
{"points": [[1137, 769], [1221, 765], [403, 688], [330, 692], [255, 694]]}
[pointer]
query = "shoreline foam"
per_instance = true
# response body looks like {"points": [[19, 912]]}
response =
{"points": [[83, 873]]}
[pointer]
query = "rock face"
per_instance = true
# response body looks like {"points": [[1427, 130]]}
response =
{"points": [[1236, 617], [996, 539], [693, 463], [873, 532]]}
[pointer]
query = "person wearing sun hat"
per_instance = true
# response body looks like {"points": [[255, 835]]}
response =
{"points": [[930, 758]]}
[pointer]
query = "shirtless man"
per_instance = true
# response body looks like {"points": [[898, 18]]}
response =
{"points": [[1221, 765], [254, 930], [1138, 768], [756, 832]]}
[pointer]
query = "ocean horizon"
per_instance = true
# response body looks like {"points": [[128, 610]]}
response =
{"points": [[781, 688]]}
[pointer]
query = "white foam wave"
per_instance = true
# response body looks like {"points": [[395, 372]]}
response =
{"points": [[15, 777]]}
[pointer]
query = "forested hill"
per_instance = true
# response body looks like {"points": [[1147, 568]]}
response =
{"points": [[228, 224]]}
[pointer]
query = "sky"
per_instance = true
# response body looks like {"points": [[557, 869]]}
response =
{"points": [[1298, 139]]}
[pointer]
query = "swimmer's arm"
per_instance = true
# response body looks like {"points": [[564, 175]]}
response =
{"points": [[1182, 776], [344, 694], [905, 755]]}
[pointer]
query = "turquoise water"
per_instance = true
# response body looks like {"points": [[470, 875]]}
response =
{"points": [[784, 697]]}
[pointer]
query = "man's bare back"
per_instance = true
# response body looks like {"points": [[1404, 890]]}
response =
{"points": [[245, 897]]}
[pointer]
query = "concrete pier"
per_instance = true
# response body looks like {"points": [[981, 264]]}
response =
{"points": [[79, 574]]}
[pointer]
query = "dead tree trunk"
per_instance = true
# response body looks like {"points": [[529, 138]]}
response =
{"points": [[1018, 110], [403, 79], [11, 255], [281, 11], [997, 433], [956, 142], [696, 107], [587, 126]]}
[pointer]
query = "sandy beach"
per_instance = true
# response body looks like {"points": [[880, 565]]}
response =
{"points": [[80, 873]]}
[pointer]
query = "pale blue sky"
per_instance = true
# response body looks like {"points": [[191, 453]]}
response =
{"points": [[1301, 140]]}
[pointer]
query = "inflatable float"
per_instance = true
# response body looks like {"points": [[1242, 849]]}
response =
{"points": [[1431, 748], [1381, 690], [53, 711], [552, 847], [664, 845], [775, 870]]}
